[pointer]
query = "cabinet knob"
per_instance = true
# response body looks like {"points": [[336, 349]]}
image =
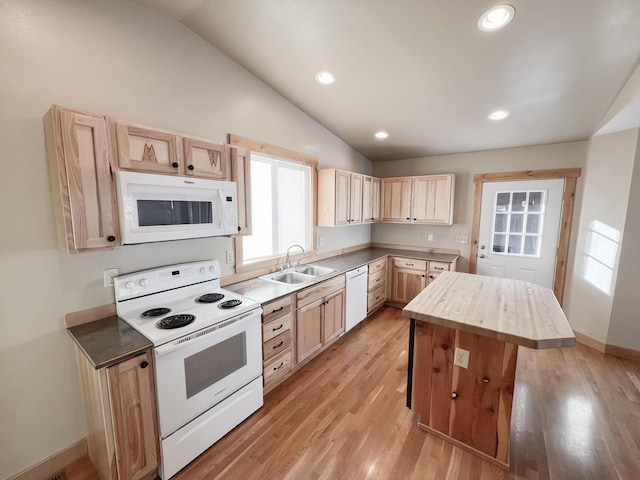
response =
{"points": [[485, 379], [239, 228], [111, 238], [408, 218], [454, 395], [414, 219], [191, 167], [144, 364], [175, 164]]}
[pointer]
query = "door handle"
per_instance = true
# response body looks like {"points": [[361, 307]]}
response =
{"points": [[481, 255], [482, 247]]}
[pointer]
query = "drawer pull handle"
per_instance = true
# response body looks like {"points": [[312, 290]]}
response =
{"points": [[439, 268], [278, 345], [277, 309], [277, 328], [409, 264], [278, 367]]}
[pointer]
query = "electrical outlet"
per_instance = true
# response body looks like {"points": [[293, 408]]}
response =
{"points": [[229, 256], [321, 242], [461, 358], [107, 276], [462, 239], [430, 237]]}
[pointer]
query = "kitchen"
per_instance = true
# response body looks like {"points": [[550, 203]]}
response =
{"points": [[54, 53]]}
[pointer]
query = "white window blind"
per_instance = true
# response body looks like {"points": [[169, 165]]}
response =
{"points": [[281, 202]]}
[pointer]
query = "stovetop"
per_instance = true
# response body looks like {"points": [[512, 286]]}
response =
{"points": [[163, 303]]}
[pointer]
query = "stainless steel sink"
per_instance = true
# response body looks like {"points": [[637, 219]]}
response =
{"points": [[300, 275], [315, 270]]}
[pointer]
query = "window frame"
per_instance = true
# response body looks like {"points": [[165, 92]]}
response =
{"points": [[262, 148]]}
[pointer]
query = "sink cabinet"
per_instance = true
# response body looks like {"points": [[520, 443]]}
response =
{"points": [[277, 341], [122, 440], [82, 178], [319, 317]]}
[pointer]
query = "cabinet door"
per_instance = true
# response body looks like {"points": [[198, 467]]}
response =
{"points": [[134, 417], [309, 330], [205, 159], [82, 180], [343, 207], [407, 283], [375, 200], [355, 199], [147, 150], [367, 196], [333, 315], [241, 174], [396, 199], [432, 199]]}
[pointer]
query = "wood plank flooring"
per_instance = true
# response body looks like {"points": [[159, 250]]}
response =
{"points": [[343, 416]]}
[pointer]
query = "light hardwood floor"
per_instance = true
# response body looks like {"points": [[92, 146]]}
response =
{"points": [[343, 416]]}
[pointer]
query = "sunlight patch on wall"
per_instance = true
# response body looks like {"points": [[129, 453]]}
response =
{"points": [[600, 255]]}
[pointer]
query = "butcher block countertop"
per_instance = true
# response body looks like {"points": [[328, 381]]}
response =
{"points": [[513, 311]]}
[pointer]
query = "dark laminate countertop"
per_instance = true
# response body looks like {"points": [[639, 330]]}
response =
{"points": [[108, 341], [265, 291]]}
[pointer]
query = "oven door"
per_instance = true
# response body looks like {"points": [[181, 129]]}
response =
{"points": [[195, 372]]}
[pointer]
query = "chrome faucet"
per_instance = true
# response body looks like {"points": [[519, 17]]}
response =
{"points": [[287, 263]]}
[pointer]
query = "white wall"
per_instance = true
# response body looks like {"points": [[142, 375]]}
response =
{"points": [[606, 183], [624, 328], [465, 166], [118, 59]]}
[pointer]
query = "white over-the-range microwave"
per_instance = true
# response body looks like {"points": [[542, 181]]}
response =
{"points": [[157, 208]]}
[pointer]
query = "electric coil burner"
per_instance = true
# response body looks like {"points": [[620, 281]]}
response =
{"points": [[210, 298], [176, 321], [230, 303], [155, 312]]}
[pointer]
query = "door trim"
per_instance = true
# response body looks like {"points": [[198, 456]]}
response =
{"points": [[570, 176]]}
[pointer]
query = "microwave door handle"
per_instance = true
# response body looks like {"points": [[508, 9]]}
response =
{"points": [[221, 208]]}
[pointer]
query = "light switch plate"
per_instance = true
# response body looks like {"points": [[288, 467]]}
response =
{"points": [[229, 256], [461, 358], [462, 239]]}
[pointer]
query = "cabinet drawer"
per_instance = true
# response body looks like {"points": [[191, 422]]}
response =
{"points": [[277, 367], [276, 345], [276, 327], [377, 279], [410, 263], [375, 298], [311, 294], [437, 267], [377, 265], [275, 309]]}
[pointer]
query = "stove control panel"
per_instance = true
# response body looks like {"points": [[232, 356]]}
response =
{"points": [[156, 280]]}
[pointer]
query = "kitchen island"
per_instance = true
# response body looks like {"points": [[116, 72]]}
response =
{"points": [[463, 347]]}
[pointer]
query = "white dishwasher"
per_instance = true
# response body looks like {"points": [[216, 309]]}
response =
{"points": [[356, 297]]}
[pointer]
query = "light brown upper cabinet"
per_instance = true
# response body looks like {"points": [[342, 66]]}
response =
{"points": [[152, 150], [83, 182], [339, 197], [425, 199], [241, 174], [370, 199]]}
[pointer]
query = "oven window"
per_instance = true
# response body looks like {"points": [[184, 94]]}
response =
{"points": [[173, 212], [209, 366]]}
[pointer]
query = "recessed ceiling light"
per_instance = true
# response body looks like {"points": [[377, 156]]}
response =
{"points": [[326, 78], [499, 115], [496, 17], [382, 135]]}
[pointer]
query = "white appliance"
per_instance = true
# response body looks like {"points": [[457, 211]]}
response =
{"points": [[356, 297], [207, 354], [156, 208]]}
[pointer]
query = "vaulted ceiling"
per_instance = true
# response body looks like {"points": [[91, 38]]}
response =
{"points": [[422, 71]]}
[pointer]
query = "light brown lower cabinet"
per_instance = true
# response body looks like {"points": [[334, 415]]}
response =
{"points": [[277, 341], [123, 434], [319, 317], [409, 277]]}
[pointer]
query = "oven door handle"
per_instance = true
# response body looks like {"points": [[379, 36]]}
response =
{"points": [[204, 334]]}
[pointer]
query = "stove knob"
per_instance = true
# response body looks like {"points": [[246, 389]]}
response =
{"points": [[203, 270], [144, 282], [130, 284], [212, 269]]}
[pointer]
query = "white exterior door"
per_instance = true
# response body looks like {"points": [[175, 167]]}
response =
{"points": [[519, 225]]}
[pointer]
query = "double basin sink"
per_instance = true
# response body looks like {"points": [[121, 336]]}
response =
{"points": [[299, 275]]}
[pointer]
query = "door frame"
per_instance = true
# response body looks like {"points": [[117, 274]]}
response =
{"points": [[570, 177]]}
